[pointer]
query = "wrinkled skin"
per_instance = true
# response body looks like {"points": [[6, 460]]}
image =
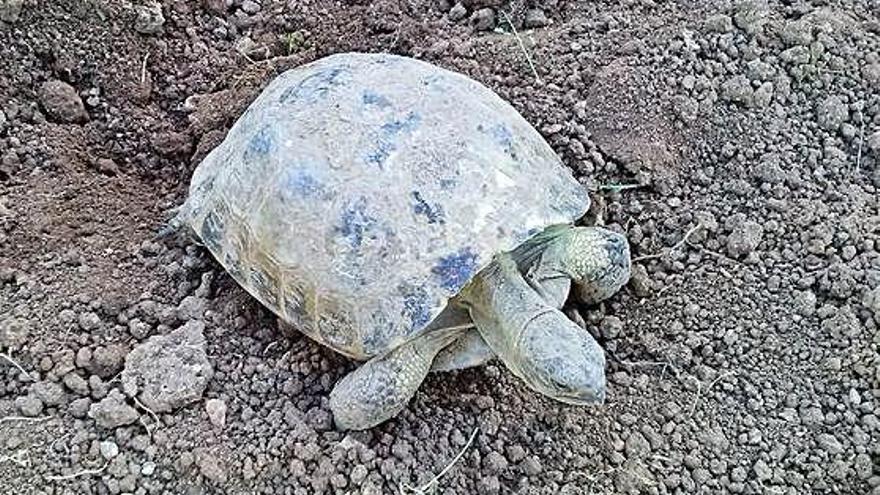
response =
{"points": [[515, 306]]}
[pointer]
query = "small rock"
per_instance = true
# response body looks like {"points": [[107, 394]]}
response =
{"points": [[79, 408], [611, 327], [210, 465], [488, 484], [763, 95], [29, 405], [797, 33], [106, 166], [637, 446], [10, 10], [191, 308], [108, 449], [13, 333], [535, 18], [494, 462], [83, 357], [832, 112], [829, 443], [871, 300], [483, 19], [216, 410], [863, 466], [738, 89], [107, 361], [148, 468], [751, 16], [872, 142], [762, 470], [89, 321], [640, 281], [744, 239], [457, 12], [217, 7], [719, 23], [169, 371], [50, 393], [138, 328], [61, 102], [149, 18], [172, 143], [112, 412], [531, 466], [250, 7]]}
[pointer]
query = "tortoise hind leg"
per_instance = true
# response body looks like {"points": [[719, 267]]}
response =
{"points": [[382, 387]]}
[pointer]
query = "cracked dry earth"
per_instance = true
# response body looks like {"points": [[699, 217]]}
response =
{"points": [[737, 144]]}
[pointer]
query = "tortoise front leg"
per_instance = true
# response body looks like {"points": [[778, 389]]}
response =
{"points": [[382, 387]]}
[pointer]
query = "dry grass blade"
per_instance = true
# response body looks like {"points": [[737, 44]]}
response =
{"points": [[78, 474], [861, 139], [522, 45], [671, 250], [619, 187], [147, 409], [700, 390], [20, 458], [431, 485], [25, 419], [8, 358]]}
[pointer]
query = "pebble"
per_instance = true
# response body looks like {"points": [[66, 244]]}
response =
{"points": [[250, 7], [62, 103], [29, 405], [832, 112], [79, 408], [483, 19], [169, 371], [149, 19], [108, 449], [535, 18], [738, 89], [10, 10], [89, 321], [531, 466], [50, 393], [745, 238], [719, 23], [211, 466], [216, 410], [112, 411], [457, 12], [148, 468]]}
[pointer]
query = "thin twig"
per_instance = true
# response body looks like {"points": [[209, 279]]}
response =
{"points": [[21, 458], [144, 69], [24, 419], [619, 187], [84, 472], [700, 390], [671, 250], [713, 253], [270, 346], [11, 361], [522, 46], [861, 138], [145, 408], [432, 483]]}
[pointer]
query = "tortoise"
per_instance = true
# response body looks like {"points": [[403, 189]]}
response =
{"points": [[405, 215]]}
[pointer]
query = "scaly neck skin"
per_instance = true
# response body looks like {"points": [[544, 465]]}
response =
{"points": [[502, 305], [542, 261]]}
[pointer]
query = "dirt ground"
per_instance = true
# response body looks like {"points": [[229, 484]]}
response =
{"points": [[737, 144]]}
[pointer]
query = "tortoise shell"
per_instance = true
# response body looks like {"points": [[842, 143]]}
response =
{"points": [[360, 192]]}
